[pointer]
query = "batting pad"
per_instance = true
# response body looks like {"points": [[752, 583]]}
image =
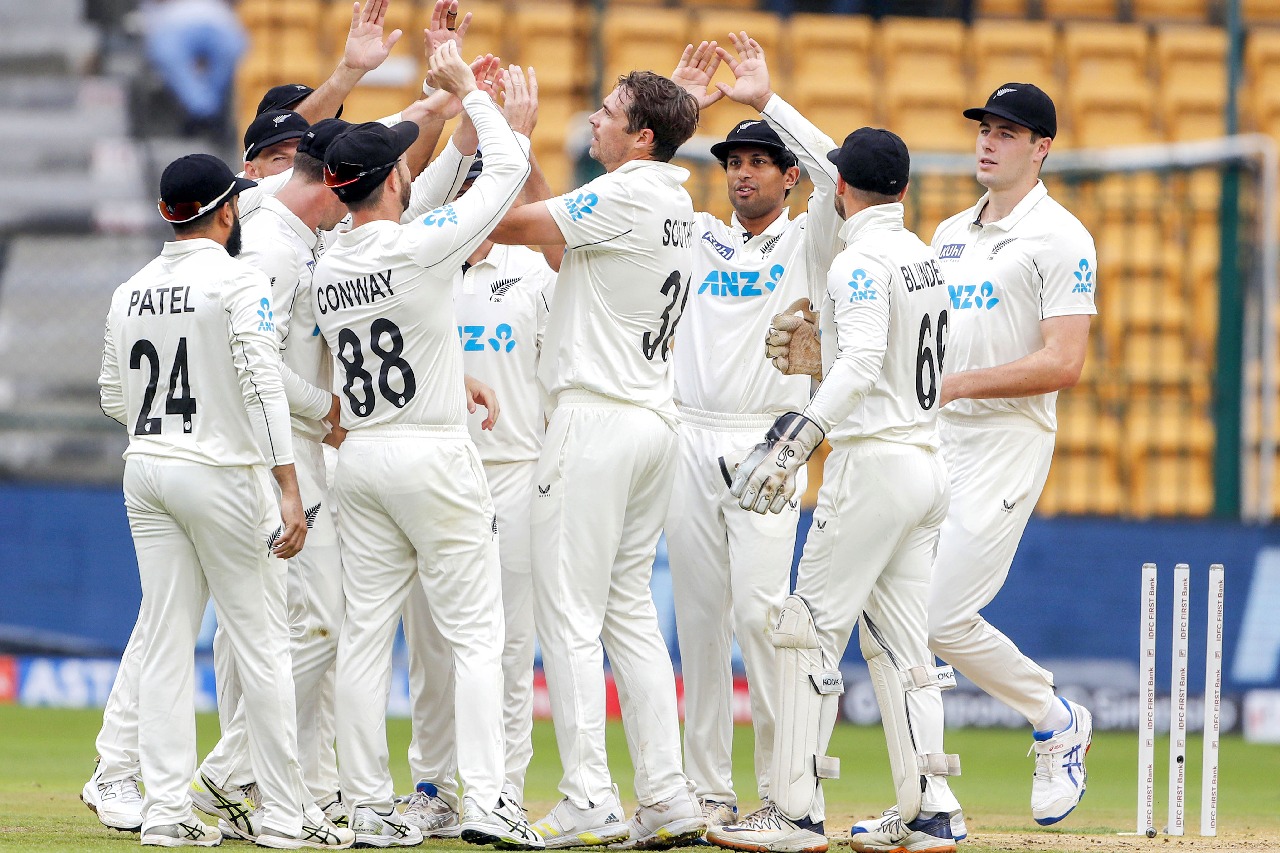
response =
{"points": [[810, 692]]}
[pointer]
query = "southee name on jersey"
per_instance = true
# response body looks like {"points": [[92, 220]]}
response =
{"points": [[360, 290]]}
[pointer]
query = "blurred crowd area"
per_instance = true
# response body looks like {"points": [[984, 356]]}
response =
{"points": [[100, 94]]}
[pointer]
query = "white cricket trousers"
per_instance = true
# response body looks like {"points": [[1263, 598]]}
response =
{"points": [[730, 571], [432, 752], [998, 467], [601, 492], [413, 507], [315, 617], [869, 556], [200, 529], [117, 741]]}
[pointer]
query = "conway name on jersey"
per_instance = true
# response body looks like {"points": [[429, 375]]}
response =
{"points": [[884, 334], [191, 364]]}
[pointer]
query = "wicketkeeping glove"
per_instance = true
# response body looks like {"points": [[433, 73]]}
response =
{"points": [[792, 342], [766, 480]]}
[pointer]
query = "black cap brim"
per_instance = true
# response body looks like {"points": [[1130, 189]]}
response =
{"points": [[722, 150], [405, 133], [263, 144], [242, 184], [979, 113]]}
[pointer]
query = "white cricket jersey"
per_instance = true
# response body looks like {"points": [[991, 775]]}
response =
{"points": [[740, 282], [383, 293], [885, 322], [501, 304], [1003, 278], [191, 365], [282, 246], [250, 199], [622, 286]]}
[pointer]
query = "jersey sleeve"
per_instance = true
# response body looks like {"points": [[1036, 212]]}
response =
{"points": [[1068, 266], [542, 298], [255, 354], [449, 234], [439, 182], [110, 386], [858, 288], [600, 213], [810, 145]]}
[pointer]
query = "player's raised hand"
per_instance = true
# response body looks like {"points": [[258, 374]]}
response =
{"points": [[450, 73], [792, 342], [766, 480], [366, 49], [520, 99], [694, 72], [479, 394], [444, 104], [751, 74], [445, 26]]}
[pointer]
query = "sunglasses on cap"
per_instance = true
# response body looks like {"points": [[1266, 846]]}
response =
{"points": [[344, 176], [179, 212]]}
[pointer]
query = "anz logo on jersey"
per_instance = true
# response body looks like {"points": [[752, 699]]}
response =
{"points": [[480, 339], [973, 296], [1084, 278], [266, 320], [442, 216], [861, 287], [743, 284], [583, 204]]}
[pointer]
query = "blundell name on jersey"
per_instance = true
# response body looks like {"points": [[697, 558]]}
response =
{"points": [[160, 300], [921, 275], [360, 290]]}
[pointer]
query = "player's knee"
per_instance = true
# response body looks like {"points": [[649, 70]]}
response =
{"points": [[949, 630]]}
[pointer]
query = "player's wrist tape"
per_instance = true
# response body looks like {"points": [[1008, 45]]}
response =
{"points": [[427, 89]]}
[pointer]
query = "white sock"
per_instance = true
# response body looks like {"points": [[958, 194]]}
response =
{"points": [[1058, 718]]}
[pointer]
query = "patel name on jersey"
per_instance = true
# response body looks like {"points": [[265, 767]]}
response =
{"points": [[160, 300], [360, 290]]}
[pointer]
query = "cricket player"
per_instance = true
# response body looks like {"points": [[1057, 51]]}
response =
{"points": [[501, 303], [1020, 272], [270, 143], [731, 570], [870, 550], [199, 332], [603, 479], [413, 506], [280, 239]]}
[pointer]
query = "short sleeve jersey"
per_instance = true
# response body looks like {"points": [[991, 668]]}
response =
{"points": [[622, 286], [1003, 279], [502, 304]]}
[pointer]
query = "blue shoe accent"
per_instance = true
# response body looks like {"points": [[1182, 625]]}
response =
{"points": [[936, 825], [1050, 821], [812, 826], [1042, 736], [427, 788]]}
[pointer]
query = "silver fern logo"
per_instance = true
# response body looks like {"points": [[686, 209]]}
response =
{"points": [[310, 514]]}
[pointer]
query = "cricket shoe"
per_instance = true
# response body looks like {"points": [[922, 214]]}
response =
{"points": [[314, 836], [566, 825], [767, 829], [1059, 781], [673, 822], [191, 832], [959, 832], [117, 804], [428, 811], [336, 810], [928, 833], [505, 826], [238, 809], [374, 829], [716, 813]]}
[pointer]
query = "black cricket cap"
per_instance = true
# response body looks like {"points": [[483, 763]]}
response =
{"points": [[287, 97], [359, 160], [320, 136], [270, 128], [1020, 103], [193, 185], [874, 160], [755, 133]]}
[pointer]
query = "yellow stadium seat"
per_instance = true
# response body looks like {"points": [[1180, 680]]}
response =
{"points": [[1156, 360], [370, 103], [1092, 9], [1168, 425], [1170, 486], [838, 109], [638, 39], [485, 34], [1261, 11], [336, 23], [1082, 484], [829, 50], [1187, 114], [304, 13], [1011, 51], [1086, 426], [1191, 11], [929, 114], [1107, 115], [1191, 57], [765, 28], [722, 5], [1001, 9], [928, 49], [552, 37], [1114, 53]]}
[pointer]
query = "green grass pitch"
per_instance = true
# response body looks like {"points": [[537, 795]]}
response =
{"points": [[47, 755]]}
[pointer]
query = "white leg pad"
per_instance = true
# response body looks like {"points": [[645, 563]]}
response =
{"points": [[810, 689]]}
